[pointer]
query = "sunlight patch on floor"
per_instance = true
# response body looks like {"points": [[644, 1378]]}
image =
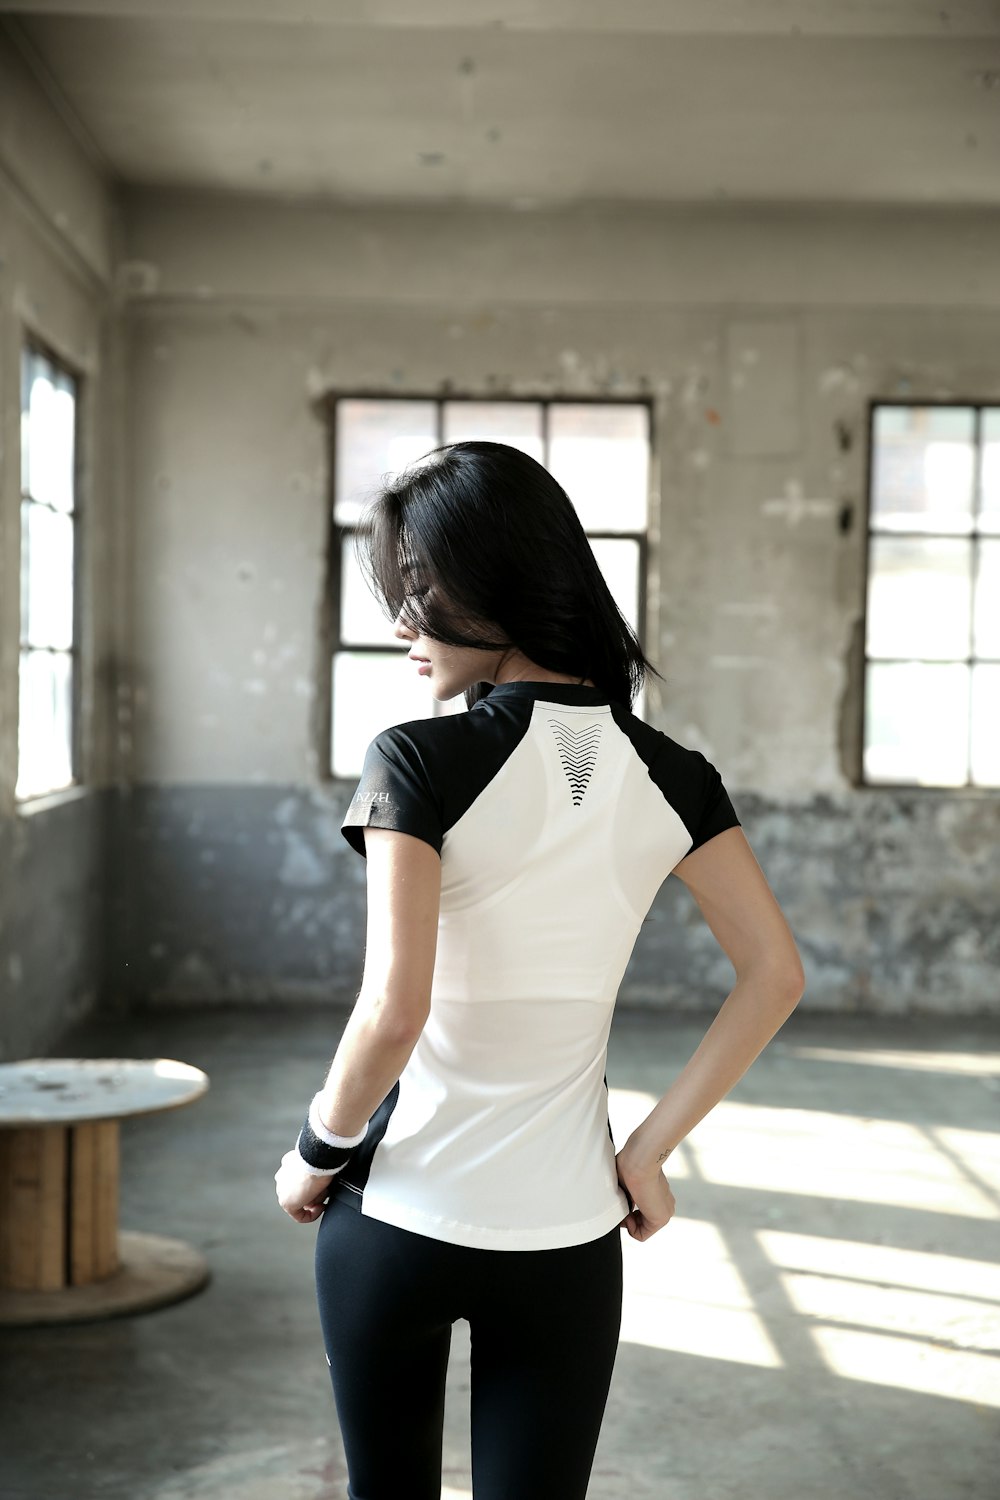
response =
{"points": [[915, 1320], [958, 1321], [851, 1158], [884, 1265], [683, 1293], [910, 1319], [907, 1365], [819, 1153], [971, 1064]]}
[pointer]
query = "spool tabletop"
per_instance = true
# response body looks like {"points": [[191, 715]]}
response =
{"points": [[62, 1255], [65, 1090]]}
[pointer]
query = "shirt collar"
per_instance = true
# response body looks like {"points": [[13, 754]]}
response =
{"points": [[548, 692]]}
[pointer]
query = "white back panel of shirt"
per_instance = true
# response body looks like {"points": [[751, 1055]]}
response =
{"points": [[500, 1133]]}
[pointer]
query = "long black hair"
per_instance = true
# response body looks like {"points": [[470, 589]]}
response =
{"points": [[501, 540]]}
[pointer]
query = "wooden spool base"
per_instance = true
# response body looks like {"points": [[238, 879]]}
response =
{"points": [[153, 1271]]}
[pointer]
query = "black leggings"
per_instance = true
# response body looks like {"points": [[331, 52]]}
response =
{"points": [[544, 1332]]}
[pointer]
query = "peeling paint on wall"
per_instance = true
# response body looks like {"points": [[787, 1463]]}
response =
{"points": [[794, 507]]}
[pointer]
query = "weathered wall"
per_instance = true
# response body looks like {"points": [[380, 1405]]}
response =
{"points": [[56, 257], [761, 337]]}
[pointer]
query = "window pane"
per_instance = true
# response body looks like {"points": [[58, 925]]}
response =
{"points": [[600, 456], [989, 517], [917, 723], [986, 725], [922, 468], [47, 433], [29, 363], [374, 438], [44, 747], [919, 598], [362, 622], [986, 641], [618, 560], [46, 576], [371, 691], [599, 452], [26, 509], [518, 423]]}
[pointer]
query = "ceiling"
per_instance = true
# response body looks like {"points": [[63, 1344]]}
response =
{"points": [[530, 103]]}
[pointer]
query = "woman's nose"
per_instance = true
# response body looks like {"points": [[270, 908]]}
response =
{"points": [[402, 628]]}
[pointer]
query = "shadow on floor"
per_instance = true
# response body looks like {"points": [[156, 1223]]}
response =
{"points": [[819, 1319]]}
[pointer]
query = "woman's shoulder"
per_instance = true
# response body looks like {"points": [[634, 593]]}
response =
{"points": [[652, 744], [431, 731], [435, 747]]}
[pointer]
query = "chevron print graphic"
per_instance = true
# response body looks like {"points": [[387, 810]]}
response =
{"points": [[578, 753]]}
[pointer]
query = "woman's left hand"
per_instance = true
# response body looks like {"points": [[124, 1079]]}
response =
{"points": [[300, 1193]]}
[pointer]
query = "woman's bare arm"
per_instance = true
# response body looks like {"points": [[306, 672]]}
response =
{"points": [[740, 908], [404, 898]]}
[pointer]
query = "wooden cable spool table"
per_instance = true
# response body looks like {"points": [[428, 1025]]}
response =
{"points": [[63, 1257]]}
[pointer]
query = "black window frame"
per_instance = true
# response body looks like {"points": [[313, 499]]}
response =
{"points": [[874, 405]]}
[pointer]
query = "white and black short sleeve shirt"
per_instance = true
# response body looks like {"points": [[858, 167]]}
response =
{"points": [[557, 815]]}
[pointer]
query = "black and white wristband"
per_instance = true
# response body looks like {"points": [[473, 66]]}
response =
{"points": [[322, 1153]]}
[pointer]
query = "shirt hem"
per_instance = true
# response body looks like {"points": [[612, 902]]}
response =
{"points": [[493, 1237]]}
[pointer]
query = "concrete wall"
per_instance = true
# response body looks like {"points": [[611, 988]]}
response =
{"points": [[760, 336], [202, 858], [57, 227]]}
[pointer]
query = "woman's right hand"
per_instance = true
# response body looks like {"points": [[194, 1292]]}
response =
{"points": [[651, 1202]]}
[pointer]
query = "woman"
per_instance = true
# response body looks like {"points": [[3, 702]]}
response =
{"points": [[460, 1146]]}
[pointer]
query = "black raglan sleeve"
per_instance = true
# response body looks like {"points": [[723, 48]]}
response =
{"points": [[394, 791], [712, 810]]}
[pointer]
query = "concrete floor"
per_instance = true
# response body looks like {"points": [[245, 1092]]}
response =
{"points": [[820, 1319]]}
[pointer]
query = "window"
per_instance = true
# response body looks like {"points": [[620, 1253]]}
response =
{"points": [[932, 639], [46, 718], [597, 450]]}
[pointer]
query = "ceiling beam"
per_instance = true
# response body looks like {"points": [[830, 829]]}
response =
{"points": [[905, 19]]}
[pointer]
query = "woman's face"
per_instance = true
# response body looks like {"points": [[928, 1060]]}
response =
{"points": [[448, 669]]}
